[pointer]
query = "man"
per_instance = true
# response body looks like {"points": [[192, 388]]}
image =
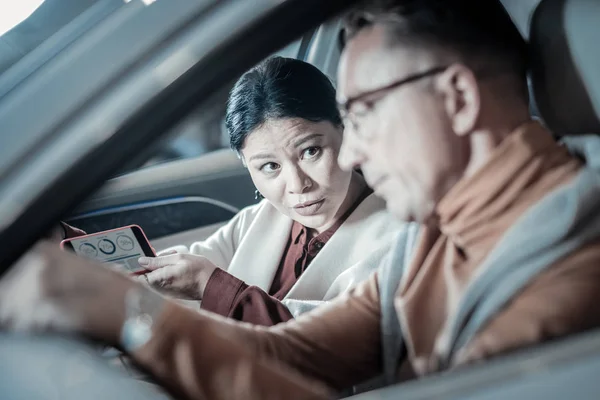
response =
{"points": [[435, 101]]}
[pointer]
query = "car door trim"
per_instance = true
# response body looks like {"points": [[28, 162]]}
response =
{"points": [[155, 203]]}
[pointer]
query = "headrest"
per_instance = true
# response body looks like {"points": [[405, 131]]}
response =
{"points": [[565, 64]]}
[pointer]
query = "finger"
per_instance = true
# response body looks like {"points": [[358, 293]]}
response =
{"points": [[167, 281], [142, 278], [153, 263], [162, 278], [167, 252]]}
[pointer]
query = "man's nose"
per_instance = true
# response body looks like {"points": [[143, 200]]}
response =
{"points": [[298, 181], [351, 154]]}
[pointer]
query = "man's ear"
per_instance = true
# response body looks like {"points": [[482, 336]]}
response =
{"points": [[462, 97]]}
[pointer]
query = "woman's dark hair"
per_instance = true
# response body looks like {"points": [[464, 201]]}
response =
{"points": [[279, 88]]}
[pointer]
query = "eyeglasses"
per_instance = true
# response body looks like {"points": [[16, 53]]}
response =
{"points": [[368, 100]]}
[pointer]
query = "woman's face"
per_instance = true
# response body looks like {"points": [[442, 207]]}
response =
{"points": [[293, 163]]}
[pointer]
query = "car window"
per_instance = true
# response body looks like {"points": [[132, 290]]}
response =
{"points": [[34, 32], [27, 24], [204, 132], [35, 47]]}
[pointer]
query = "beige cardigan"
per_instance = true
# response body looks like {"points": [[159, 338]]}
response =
{"points": [[251, 245]]}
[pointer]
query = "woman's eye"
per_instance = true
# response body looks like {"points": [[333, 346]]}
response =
{"points": [[269, 167], [311, 152]]}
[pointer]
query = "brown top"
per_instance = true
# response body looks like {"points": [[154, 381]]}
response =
{"points": [[472, 217], [229, 296], [338, 344]]}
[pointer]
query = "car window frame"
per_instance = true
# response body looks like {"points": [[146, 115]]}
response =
{"points": [[297, 49], [53, 45], [141, 124]]}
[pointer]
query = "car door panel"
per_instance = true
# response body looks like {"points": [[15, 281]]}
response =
{"points": [[171, 198], [186, 238], [560, 369], [158, 218]]}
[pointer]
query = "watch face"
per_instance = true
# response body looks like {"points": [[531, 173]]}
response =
{"points": [[142, 306], [136, 332]]}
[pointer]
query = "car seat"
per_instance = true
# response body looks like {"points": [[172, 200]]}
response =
{"points": [[565, 65]]}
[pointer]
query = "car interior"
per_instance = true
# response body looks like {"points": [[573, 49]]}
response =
{"points": [[185, 199], [172, 173]]}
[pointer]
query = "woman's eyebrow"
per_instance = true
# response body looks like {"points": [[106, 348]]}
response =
{"points": [[307, 138], [263, 156]]}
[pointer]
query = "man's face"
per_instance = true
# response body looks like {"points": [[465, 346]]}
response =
{"points": [[405, 142]]}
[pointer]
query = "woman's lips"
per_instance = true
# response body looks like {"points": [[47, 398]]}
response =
{"points": [[309, 207]]}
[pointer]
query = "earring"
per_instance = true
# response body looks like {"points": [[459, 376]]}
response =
{"points": [[257, 195]]}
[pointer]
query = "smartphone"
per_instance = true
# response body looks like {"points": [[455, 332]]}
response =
{"points": [[118, 246]]}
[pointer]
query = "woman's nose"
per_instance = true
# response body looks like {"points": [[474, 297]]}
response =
{"points": [[298, 181]]}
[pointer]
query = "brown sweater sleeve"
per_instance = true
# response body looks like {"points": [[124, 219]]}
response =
{"points": [[202, 355], [561, 301], [228, 296]]}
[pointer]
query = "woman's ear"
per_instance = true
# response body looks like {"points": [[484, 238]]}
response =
{"points": [[462, 99], [241, 157]]}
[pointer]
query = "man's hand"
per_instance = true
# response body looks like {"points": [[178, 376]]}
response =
{"points": [[181, 275], [52, 290]]}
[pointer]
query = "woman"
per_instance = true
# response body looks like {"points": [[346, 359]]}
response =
{"points": [[319, 229]]}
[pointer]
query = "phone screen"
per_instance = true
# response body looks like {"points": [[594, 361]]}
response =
{"points": [[120, 246]]}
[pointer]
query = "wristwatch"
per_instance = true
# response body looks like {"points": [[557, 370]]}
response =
{"points": [[142, 307]]}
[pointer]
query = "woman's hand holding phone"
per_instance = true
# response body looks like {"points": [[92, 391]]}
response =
{"points": [[181, 275], [117, 248]]}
